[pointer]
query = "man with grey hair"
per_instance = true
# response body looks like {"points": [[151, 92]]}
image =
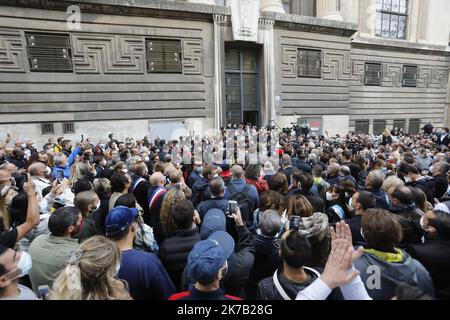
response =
{"points": [[332, 173], [267, 245], [63, 163], [217, 188], [374, 182], [286, 167]]}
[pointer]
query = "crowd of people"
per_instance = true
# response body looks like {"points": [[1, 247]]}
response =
{"points": [[284, 216]]}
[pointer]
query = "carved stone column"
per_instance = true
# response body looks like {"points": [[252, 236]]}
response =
{"points": [[329, 9], [271, 5], [219, 58], [268, 103]]}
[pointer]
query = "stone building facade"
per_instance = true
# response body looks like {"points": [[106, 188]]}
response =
{"points": [[136, 67]]}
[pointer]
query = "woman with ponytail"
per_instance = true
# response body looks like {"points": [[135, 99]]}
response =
{"points": [[90, 273]]}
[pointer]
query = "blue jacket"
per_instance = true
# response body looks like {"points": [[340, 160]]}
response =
{"points": [[382, 198], [239, 185], [66, 169], [145, 275]]}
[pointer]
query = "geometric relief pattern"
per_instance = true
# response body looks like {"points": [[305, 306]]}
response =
{"points": [[108, 54], [436, 78], [289, 62], [392, 75], [358, 70], [337, 66], [11, 51], [192, 56]]}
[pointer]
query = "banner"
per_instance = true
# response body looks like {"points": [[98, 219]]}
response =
{"points": [[244, 19]]}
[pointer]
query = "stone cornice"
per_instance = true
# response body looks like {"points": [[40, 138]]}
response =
{"points": [[400, 45], [187, 11]]}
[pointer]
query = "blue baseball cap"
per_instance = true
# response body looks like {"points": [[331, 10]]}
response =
{"points": [[120, 218], [214, 220], [208, 256]]}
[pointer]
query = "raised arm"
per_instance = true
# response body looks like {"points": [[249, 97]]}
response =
{"points": [[32, 210]]}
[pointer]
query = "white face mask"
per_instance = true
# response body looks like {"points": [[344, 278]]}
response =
{"points": [[424, 226], [147, 159], [407, 179], [48, 171], [25, 264], [96, 206], [350, 204], [117, 268], [125, 170], [23, 145], [330, 196]]}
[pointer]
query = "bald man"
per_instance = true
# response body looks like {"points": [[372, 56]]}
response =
{"points": [[155, 198], [87, 202], [37, 171]]}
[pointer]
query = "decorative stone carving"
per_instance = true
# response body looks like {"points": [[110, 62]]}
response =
{"points": [[289, 62], [11, 51], [392, 75], [436, 78], [108, 54], [337, 66], [192, 56]]}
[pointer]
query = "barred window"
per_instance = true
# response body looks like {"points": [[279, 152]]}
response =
{"points": [[379, 126], [68, 127], [409, 76], [49, 52], [391, 18], [372, 74], [399, 124], [362, 126], [164, 56], [47, 128], [414, 126], [309, 63]]}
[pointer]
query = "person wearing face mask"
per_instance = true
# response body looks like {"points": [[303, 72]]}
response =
{"points": [[206, 267], [49, 252], [401, 203], [63, 162], [359, 202], [18, 158], [414, 179], [143, 271], [196, 173], [37, 172], [13, 266], [100, 167], [87, 202], [434, 253]]}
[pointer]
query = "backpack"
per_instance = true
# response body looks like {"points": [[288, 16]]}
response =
{"points": [[244, 202]]}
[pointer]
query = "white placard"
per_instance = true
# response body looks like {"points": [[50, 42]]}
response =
{"points": [[244, 19]]}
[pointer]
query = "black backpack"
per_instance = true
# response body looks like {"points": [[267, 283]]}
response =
{"points": [[244, 202]]}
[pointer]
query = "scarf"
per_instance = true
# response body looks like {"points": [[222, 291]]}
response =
{"points": [[387, 256]]}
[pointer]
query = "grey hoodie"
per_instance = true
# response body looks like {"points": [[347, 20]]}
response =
{"points": [[391, 274]]}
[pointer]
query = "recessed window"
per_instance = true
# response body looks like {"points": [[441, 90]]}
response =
{"points": [[68, 127], [391, 18], [49, 52], [379, 126], [414, 126], [47, 128], [409, 76], [399, 124], [372, 74], [362, 126], [287, 5], [309, 63], [164, 56]]}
